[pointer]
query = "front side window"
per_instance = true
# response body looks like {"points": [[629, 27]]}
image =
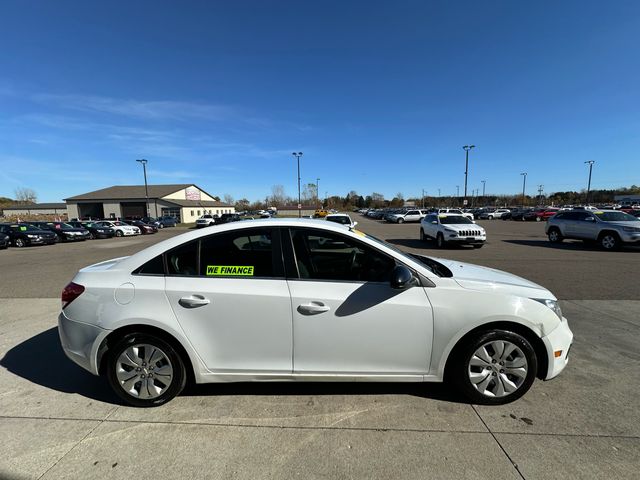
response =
{"points": [[321, 255], [239, 253]]}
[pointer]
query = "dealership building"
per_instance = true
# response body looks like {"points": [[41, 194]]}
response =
{"points": [[186, 202]]}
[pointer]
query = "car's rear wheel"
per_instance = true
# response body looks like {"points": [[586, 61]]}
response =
{"points": [[538, 219], [440, 240], [423, 237], [401, 220], [554, 235], [496, 367], [145, 370], [92, 236], [609, 241], [119, 233]]}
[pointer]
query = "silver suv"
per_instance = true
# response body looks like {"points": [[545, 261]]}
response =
{"points": [[610, 228]]}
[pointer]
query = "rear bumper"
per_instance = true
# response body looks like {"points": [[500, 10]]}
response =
{"points": [[80, 342], [560, 339]]}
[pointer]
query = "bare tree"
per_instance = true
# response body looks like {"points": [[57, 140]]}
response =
{"points": [[25, 195], [278, 196], [228, 199]]}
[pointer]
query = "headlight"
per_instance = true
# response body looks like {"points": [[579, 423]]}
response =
{"points": [[32, 236], [552, 304]]}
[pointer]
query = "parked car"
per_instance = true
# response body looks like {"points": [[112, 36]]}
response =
{"points": [[166, 221], [5, 240], [498, 213], [451, 228], [64, 231], [540, 214], [454, 211], [342, 288], [520, 213], [229, 217], [610, 228], [94, 230], [24, 234], [414, 215], [145, 228], [320, 213], [121, 229], [205, 221], [341, 218]]}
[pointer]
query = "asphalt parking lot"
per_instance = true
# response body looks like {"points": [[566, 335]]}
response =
{"points": [[57, 421]]}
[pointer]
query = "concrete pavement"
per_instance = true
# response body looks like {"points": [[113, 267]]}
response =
{"points": [[57, 421]]}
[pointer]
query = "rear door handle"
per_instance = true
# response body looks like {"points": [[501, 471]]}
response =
{"points": [[313, 308], [193, 301]]}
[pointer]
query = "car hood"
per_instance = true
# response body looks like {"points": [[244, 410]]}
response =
{"points": [[623, 224], [475, 277], [463, 226]]}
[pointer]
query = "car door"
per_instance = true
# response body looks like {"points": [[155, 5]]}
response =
{"points": [[586, 226], [346, 318], [230, 296], [412, 216]]}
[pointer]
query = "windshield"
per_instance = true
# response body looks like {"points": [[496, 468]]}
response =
{"points": [[63, 226], [615, 217], [454, 220]]}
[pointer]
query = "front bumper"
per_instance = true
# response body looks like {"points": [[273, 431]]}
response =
{"points": [[560, 339], [630, 237], [80, 341], [473, 240]]}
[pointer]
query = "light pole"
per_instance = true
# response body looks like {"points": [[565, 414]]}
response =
{"points": [[540, 189], [298, 155], [484, 183], [590, 162], [524, 182], [317, 190], [466, 166], [146, 189], [423, 198]]}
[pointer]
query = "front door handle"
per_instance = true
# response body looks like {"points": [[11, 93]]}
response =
{"points": [[193, 301], [313, 308]]}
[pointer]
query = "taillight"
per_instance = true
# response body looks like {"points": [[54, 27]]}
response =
{"points": [[70, 293]]}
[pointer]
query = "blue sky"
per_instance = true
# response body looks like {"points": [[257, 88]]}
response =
{"points": [[380, 96]]}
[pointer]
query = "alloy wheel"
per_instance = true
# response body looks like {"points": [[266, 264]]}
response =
{"points": [[609, 242], [498, 368], [144, 371]]}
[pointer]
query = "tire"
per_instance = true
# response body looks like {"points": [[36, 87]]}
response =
{"points": [[423, 237], [538, 219], [92, 236], [161, 225], [479, 359], [555, 236], [490, 217], [119, 233], [440, 243], [144, 392], [20, 243], [401, 220], [609, 241]]}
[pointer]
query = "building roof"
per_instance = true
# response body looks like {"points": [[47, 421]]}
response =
{"points": [[38, 206], [118, 192], [196, 203]]}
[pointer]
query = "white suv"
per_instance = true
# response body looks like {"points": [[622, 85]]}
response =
{"points": [[447, 227], [122, 229], [206, 220], [408, 216]]}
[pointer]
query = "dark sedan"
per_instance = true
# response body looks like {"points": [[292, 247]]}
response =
{"points": [[95, 231], [64, 232], [145, 228], [23, 234]]}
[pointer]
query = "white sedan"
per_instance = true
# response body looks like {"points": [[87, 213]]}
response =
{"points": [[306, 300], [122, 229]]}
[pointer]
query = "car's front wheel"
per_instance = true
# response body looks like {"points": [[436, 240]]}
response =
{"points": [[496, 367], [440, 240], [119, 233], [144, 370], [19, 242], [401, 220], [609, 241]]}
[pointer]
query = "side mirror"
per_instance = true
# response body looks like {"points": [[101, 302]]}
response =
{"points": [[401, 277], [435, 222], [354, 223]]}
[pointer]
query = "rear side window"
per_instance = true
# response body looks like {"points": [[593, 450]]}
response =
{"points": [[240, 253], [152, 267], [183, 260]]}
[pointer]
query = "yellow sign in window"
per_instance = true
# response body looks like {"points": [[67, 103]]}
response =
{"points": [[229, 271]]}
